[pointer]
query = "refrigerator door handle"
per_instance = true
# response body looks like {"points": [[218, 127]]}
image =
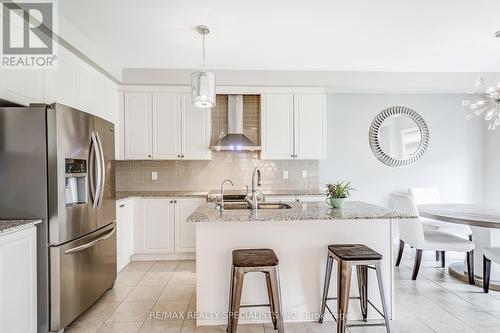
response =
{"points": [[90, 244], [97, 184], [92, 159], [102, 170]]}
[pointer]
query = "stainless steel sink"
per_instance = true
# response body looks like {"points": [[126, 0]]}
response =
{"points": [[265, 205]]}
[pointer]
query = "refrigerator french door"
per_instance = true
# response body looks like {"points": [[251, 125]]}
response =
{"points": [[82, 218], [56, 164]]}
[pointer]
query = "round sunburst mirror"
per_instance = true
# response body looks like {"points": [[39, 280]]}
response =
{"points": [[398, 136]]}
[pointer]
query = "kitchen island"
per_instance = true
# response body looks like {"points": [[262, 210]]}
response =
{"points": [[299, 236]]}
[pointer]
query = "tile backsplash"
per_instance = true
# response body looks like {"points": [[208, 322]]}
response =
{"points": [[207, 175]]}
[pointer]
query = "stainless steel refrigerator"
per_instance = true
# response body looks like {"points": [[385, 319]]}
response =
{"points": [[57, 164]]}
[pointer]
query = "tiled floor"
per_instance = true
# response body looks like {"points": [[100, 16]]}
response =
{"points": [[434, 303]]}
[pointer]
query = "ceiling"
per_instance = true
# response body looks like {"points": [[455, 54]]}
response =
{"points": [[313, 35]]}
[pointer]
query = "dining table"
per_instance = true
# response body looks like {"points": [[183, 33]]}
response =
{"points": [[484, 221]]}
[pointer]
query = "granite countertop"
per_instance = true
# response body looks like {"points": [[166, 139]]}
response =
{"points": [[7, 226], [352, 210]]}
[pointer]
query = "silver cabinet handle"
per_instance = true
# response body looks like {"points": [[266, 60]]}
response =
{"points": [[122, 205], [102, 169], [90, 244]]}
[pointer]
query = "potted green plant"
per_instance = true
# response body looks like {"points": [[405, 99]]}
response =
{"points": [[337, 192]]}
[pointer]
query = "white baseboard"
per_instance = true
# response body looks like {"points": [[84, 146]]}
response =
{"points": [[121, 264], [163, 256]]}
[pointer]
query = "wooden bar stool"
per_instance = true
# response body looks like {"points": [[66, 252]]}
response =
{"points": [[255, 260], [361, 256]]}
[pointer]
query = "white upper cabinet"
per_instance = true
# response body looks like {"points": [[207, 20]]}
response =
{"points": [[175, 130], [138, 126], [277, 126], [293, 126], [310, 126], [166, 129], [60, 82], [23, 86], [196, 125]]}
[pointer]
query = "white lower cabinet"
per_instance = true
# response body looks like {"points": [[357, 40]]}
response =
{"points": [[185, 232], [161, 227], [157, 227], [124, 232], [18, 286]]}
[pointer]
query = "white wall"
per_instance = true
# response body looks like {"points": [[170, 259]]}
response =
{"points": [[453, 161], [492, 167]]}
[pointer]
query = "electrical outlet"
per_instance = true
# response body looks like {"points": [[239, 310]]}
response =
{"points": [[285, 174], [304, 173], [154, 175]]}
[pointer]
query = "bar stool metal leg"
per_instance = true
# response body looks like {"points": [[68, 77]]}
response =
{"points": [[378, 269], [343, 288], [271, 300], [237, 288], [362, 272], [276, 291], [326, 286]]}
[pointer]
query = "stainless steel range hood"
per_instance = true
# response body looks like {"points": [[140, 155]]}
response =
{"points": [[235, 140]]}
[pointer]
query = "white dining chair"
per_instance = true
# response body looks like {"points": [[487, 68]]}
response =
{"points": [[489, 254], [411, 232], [431, 195]]}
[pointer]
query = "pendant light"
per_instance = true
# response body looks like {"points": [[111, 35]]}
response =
{"points": [[203, 82]]}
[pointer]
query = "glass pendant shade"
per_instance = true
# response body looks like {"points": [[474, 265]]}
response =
{"points": [[203, 89]]}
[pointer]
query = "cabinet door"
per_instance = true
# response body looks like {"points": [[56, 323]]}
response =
{"points": [[195, 131], [138, 126], [166, 126], [124, 232], [60, 82], [158, 226], [310, 126], [18, 284], [88, 91], [185, 232], [277, 126], [22, 86]]}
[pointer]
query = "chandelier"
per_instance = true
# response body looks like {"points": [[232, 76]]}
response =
{"points": [[486, 104]]}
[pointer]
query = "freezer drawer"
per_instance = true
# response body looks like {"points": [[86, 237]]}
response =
{"points": [[80, 272]]}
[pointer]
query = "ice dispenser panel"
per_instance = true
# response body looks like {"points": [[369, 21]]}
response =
{"points": [[76, 182]]}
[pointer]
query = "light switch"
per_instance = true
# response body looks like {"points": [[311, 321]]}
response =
{"points": [[154, 175], [304, 173], [285, 174]]}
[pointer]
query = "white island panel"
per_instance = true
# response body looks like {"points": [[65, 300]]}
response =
{"points": [[301, 247]]}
